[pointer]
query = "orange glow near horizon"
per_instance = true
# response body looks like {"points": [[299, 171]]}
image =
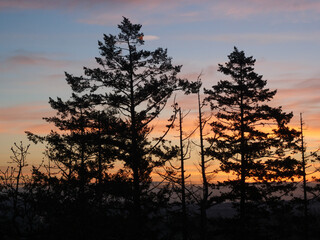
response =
{"points": [[189, 125]]}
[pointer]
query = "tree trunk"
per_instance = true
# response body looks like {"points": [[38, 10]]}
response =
{"points": [[183, 193], [243, 160], [305, 199], [204, 200], [134, 156]]}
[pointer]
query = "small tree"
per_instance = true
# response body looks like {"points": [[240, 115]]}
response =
{"points": [[19, 158], [304, 175], [82, 150], [12, 184], [310, 191], [82, 147], [176, 175]]}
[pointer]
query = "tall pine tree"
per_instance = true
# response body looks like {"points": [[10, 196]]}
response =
{"points": [[251, 137], [136, 84]]}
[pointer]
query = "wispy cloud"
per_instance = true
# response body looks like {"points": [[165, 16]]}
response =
{"points": [[166, 11], [33, 60], [30, 59], [150, 37], [261, 38], [309, 83], [16, 119], [247, 8], [301, 96], [71, 4], [24, 112], [155, 12], [105, 18], [48, 4], [190, 14]]}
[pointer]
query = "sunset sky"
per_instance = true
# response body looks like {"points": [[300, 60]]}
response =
{"points": [[41, 39]]}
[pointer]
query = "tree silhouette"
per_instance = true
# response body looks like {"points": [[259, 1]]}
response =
{"points": [[82, 148], [252, 138], [176, 174], [183, 185], [83, 151], [304, 181], [310, 191], [205, 200], [17, 215], [98, 182], [19, 156], [110, 114]]}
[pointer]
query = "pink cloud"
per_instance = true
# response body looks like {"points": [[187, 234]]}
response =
{"points": [[41, 129], [33, 60], [165, 12], [48, 4], [207, 73], [190, 14], [104, 19], [52, 82], [301, 89], [246, 8], [155, 12], [16, 119], [309, 83], [30, 59], [287, 6], [23, 112], [298, 99], [261, 38], [150, 37], [71, 4]]}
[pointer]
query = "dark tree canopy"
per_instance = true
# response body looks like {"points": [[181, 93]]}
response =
{"points": [[98, 181], [250, 137], [135, 83], [109, 117]]}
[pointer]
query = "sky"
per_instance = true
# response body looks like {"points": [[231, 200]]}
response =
{"points": [[42, 39]]}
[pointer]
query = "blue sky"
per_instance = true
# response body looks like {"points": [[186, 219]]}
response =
{"points": [[40, 39]]}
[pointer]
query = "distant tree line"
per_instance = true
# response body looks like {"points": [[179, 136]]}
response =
{"points": [[96, 180]]}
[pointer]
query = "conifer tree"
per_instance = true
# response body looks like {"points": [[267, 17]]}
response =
{"points": [[252, 138], [83, 140], [135, 84], [82, 148]]}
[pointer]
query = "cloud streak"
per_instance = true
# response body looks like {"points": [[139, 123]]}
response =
{"points": [[16, 119], [34, 60], [150, 37], [243, 9], [261, 38], [30, 60], [165, 11]]}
